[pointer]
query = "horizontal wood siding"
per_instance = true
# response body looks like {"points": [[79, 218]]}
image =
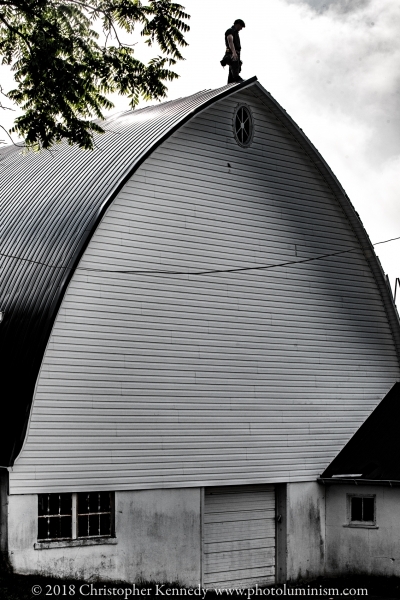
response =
{"points": [[169, 379], [239, 536]]}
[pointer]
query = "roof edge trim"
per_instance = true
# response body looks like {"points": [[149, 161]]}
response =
{"points": [[350, 212], [354, 481]]}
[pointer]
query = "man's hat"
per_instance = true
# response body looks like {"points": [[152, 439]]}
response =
{"points": [[240, 22]]}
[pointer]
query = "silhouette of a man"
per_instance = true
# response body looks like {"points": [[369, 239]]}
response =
{"points": [[232, 56]]}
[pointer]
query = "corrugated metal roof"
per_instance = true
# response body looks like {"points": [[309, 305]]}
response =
{"points": [[373, 452], [52, 202]]}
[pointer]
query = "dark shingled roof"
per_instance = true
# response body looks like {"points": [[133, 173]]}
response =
{"points": [[51, 204], [374, 450]]}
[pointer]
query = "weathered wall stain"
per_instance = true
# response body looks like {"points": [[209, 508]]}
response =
{"points": [[306, 531], [371, 550], [158, 540]]}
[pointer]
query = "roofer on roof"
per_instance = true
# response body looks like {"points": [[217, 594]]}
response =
{"points": [[232, 53]]}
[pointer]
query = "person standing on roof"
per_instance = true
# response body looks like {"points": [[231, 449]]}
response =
{"points": [[232, 56]]}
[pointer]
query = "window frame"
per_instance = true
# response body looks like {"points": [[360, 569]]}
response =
{"points": [[251, 135], [361, 524], [76, 515], [75, 539], [55, 516]]}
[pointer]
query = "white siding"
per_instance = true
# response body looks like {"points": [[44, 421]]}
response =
{"points": [[166, 380]]}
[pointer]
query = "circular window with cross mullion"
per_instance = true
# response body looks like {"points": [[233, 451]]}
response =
{"points": [[243, 125]]}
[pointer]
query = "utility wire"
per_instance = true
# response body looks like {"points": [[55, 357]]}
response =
{"points": [[386, 241], [206, 272], [212, 271]]}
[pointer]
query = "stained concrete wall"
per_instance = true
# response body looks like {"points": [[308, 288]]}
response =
{"points": [[366, 551], [3, 518], [158, 539], [305, 531]]}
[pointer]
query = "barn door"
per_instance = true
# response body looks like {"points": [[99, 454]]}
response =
{"points": [[239, 536]]}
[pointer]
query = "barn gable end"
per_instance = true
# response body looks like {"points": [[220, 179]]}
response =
{"points": [[190, 371]]}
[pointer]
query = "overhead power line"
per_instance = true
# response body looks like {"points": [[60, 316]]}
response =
{"points": [[203, 272], [386, 241], [212, 271]]}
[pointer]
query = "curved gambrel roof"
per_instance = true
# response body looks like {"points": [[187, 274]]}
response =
{"points": [[52, 203]]}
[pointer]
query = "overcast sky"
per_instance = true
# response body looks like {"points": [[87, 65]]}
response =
{"points": [[334, 65]]}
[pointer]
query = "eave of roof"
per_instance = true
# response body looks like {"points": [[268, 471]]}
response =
{"points": [[358, 481], [49, 221], [373, 451]]}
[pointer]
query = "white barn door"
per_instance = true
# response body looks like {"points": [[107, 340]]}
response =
{"points": [[239, 536]]}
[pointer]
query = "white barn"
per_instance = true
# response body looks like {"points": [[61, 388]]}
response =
{"points": [[194, 324]]}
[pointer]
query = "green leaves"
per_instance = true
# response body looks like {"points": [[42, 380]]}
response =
{"points": [[64, 74]]}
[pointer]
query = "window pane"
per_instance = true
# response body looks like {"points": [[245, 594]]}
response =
{"points": [[83, 526], [105, 525], [104, 502], [94, 525], [42, 529], [66, 504], [90, 502], [43, 502], [54, 528], [356, 509], [94, 505], [243, 126], [83, 503], [53, 504], [368, 509], [65, 527]]}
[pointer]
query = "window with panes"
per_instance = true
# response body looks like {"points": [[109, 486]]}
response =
{"points": [[361, 509], [243, 125], [81, 515]]}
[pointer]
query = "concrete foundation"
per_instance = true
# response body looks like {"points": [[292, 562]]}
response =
{"points": [[363, 550], [305, 531], [158, 537], [4, 563], [157, 534]]}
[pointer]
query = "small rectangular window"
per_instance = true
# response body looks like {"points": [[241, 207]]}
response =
{"points": [[75, 516], [94, 514], [55, 517], [362, 510]]}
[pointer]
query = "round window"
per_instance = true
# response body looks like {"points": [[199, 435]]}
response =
{"points": [[243, 126]]}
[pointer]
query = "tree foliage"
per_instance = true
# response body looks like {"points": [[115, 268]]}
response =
{"points": [[67, 57]]}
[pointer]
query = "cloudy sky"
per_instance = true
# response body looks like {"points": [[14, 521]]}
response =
{"points": [[334, 65]]}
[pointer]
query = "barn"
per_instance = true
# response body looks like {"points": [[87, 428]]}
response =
{"points": [[194, 324]]}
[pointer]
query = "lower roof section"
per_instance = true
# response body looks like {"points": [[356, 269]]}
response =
{"points": [[372, 454]]}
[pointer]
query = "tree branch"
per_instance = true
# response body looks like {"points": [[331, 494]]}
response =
{"points": [[12, 141], [16, 31]]}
